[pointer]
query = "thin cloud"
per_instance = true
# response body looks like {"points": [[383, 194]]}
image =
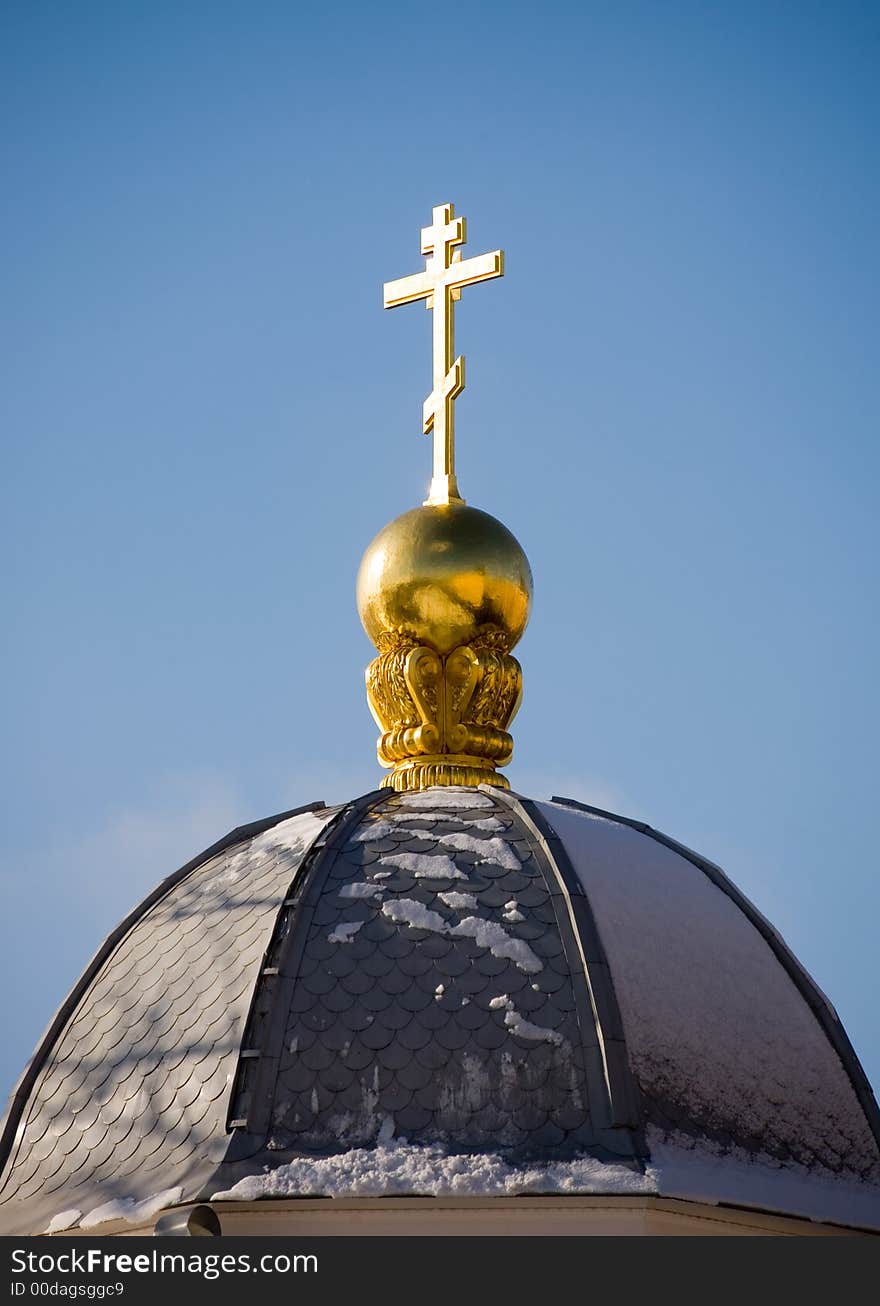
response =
{"points": [[64, 897]]}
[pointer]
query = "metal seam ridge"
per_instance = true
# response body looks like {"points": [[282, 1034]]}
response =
{"points": [[284, 952], [624, 1101]]}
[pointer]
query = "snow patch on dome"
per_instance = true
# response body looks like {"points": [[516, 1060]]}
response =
{"points": [[130, 1209], [293, 835], [458, 901], [517, 1023], [63, 1220], [494, 850], [491, 935], [360, 889], [373, 830], [407, 911], [488, 824], [424, 866], [442, 798], [486, 934], [431, 1171], [344, 931]]}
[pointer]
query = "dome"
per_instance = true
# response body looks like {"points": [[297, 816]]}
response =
{"points": [[457, 990]]}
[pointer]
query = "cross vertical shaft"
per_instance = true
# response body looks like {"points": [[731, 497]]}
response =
{"points": [[440, 405], [440, 285]]}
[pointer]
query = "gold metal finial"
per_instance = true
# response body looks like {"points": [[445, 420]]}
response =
{"points": [[440, 285], [444, 590]]}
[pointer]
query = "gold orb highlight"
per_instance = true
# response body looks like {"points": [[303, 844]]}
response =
{"points": [[443, 574]]}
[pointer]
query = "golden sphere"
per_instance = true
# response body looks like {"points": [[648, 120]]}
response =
{"points": [[440, 573]]}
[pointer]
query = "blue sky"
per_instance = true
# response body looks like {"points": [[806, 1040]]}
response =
{"points": [[672, 401]]}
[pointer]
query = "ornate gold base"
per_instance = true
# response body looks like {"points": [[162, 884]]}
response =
{"points": [[444, 719], [445, 769]]}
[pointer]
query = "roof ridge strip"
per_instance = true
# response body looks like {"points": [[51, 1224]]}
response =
{"points": [[286, 947], [821, 1006], [624, 1099], [9, 1126]]}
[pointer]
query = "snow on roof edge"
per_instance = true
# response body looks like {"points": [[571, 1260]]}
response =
{"points": [[692, 1172]]}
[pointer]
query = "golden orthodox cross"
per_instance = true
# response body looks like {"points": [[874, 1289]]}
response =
{"points": [[440, 285]]}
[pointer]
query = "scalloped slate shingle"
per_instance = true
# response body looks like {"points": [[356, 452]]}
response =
{"points": [[449, 1018], [133, 1098]]}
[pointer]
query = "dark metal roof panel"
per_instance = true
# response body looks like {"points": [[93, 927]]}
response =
{"points": [[731, 1043]]}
